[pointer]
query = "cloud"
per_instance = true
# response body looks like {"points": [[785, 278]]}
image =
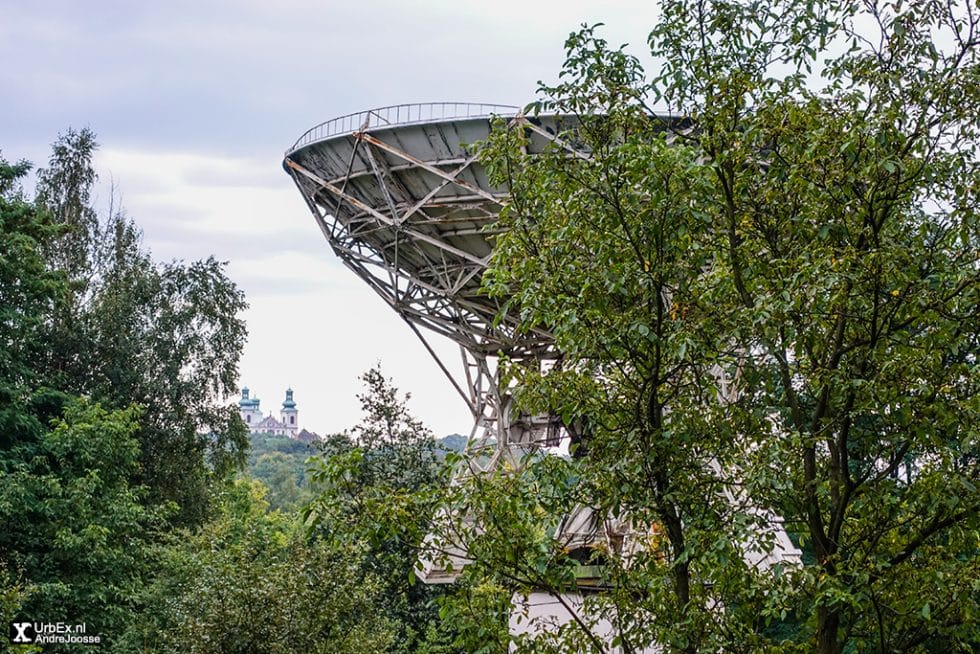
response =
{"points": [[223, 76], [195, 102], [192, 205], [312, 323], [278, 273]]}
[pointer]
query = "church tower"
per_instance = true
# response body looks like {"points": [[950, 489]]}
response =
{"points": [[248, 408], [289, 414]]}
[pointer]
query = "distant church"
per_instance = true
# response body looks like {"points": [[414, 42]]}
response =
{"points": [[287, 425]]}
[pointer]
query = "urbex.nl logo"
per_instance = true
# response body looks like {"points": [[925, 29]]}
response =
{"points": [[21, 633], [44, 633]]}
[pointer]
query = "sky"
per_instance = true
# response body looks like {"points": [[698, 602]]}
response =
{"points": [[194, 104]]}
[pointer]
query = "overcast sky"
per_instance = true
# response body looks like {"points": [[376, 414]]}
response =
{"points": [[194, 104]]}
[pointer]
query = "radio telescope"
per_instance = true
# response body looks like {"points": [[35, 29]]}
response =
{"points": [[403, 201]]}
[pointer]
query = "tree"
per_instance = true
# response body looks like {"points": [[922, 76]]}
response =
{"points": [[65, 189], [250, 581], [112, 370], [127, 329], [280, 462], [28, 289], [278, 471], [768, 299], [82, 530], [377, 490]]}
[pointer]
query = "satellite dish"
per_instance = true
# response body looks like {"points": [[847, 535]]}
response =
{"points": [[402, 199], [400, 196]]}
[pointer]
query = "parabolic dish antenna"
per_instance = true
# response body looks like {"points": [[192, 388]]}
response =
{"points": [[402, 199]]}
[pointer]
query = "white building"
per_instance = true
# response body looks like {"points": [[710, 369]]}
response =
{"points": [[286, 425]]}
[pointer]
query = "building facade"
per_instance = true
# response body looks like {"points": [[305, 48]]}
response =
{"points": [[286, 425]]}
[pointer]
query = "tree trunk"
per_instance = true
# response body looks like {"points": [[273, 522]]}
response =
{"points": [[827, 623]]}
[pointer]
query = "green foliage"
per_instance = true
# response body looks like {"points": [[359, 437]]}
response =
{"points": [[250, 581], [766, 300], [478, 612], [65, 190], [279, 462], [126, 329], [82, 529], [13, 594], [506, 523], [379, 476], [378, 490], [28, 289], [112, 369]]}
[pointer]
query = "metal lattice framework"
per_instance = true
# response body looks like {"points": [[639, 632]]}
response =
{"points": [[402, 199]]}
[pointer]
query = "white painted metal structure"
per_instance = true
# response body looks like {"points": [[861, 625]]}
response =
{"points": [[403, 201]]}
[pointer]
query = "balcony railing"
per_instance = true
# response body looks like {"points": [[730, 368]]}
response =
{"points": [[400, 114]]}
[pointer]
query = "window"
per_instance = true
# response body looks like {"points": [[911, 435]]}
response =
{"points": [[248, 417], [292, 420]]}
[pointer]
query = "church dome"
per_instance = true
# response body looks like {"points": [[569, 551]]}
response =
{"points": [[246, 401]]}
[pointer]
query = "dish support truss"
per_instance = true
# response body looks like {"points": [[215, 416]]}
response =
{"points": [[404, 202]]}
